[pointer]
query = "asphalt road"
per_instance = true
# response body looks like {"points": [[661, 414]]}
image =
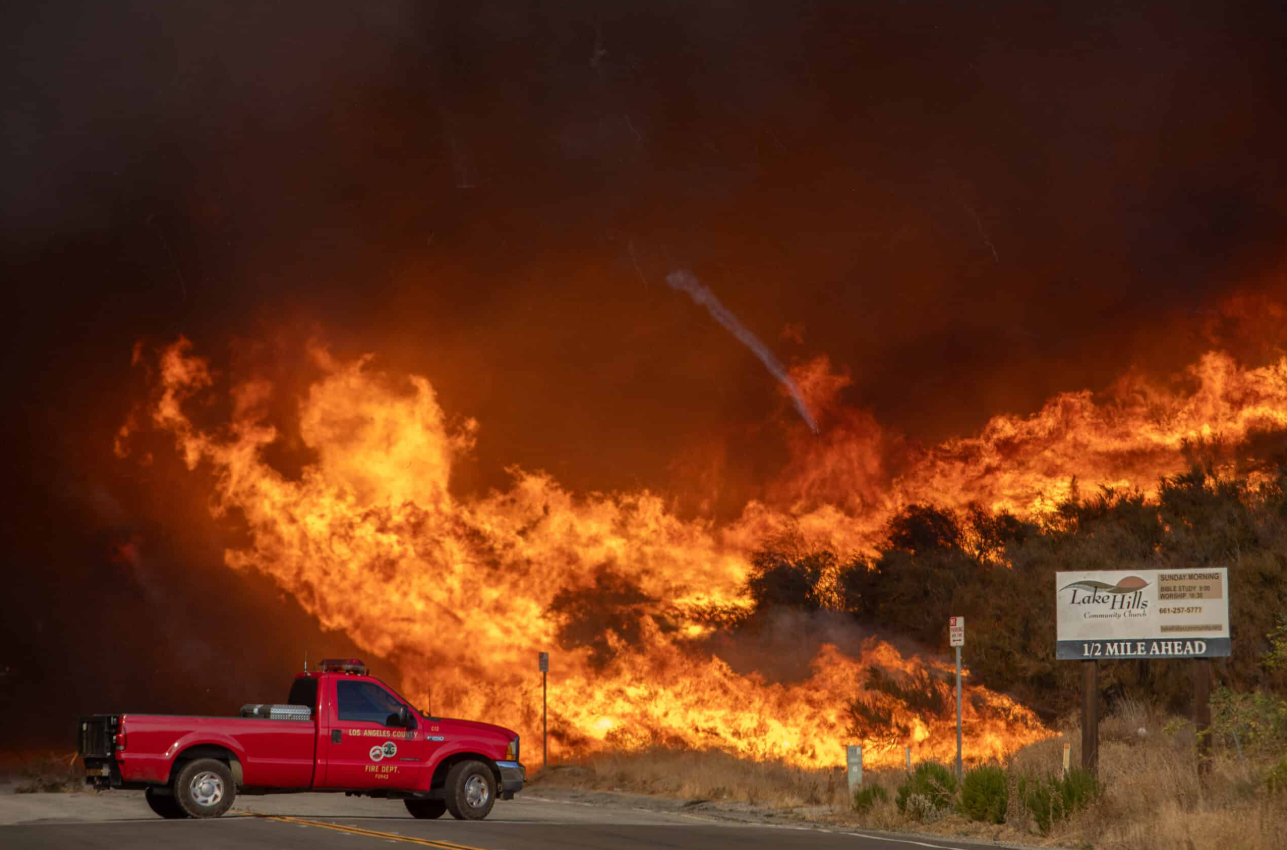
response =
{"points": [[333, 822]]}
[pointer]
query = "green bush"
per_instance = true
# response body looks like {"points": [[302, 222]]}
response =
{"points": [[1054, 798], [1078, 788], [985, 795], [866, 797], [1276, 778], [1276, 657], [1256, 721], [931, 780]]}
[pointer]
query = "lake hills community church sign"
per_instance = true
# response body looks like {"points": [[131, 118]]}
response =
{"points": [[1108, 614]]}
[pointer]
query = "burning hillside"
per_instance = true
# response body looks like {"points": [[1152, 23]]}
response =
{"points": [[460, 593]]}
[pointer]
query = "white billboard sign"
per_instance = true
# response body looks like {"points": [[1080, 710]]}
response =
{"points": [[1109, 614]]}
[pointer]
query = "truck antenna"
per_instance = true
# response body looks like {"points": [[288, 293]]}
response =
{"points": [[306, 661]]}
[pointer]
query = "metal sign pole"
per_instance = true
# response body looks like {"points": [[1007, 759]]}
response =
{"points": [[959, 775], [956, 636], [544, 662]]}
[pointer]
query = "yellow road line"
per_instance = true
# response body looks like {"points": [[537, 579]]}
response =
{"points": [[356, 830]]}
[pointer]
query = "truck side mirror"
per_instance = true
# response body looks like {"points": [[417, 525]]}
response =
{"points": [[398, 719]]}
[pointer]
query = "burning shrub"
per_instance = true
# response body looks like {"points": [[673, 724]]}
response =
{"points": [[1054, 798], [601, 617], [931, 781], [985, 795], [786, 576], [923, 528], [881, 716], [867, 796]]}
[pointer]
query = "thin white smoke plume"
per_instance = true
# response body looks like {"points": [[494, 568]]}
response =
{"points": [[688, 282]]}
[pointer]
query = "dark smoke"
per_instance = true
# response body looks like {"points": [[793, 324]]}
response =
{"points": [[976, 209]]}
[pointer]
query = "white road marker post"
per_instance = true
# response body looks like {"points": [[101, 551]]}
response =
{"points": [[909, 759], [956, 631], [1067, 752], [853, 758]]}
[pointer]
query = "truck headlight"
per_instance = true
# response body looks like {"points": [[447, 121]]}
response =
{"points": [[511, 752]]}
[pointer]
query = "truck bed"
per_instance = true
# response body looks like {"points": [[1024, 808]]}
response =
{"points": [[273, 753]]}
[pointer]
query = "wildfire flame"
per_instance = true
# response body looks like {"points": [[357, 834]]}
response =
{"points": [[458, 592]]}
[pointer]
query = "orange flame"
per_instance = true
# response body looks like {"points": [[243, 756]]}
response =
{"points": [[458, 592]]}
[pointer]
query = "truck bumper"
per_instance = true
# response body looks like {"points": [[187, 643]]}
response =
{"points": [[513, 775]]}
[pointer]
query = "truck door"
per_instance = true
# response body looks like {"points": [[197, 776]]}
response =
{"points": [[365, 750]]}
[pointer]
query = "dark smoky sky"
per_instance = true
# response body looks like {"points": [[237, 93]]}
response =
{"points": [[969, 206]]}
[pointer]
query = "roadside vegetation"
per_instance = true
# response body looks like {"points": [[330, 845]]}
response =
{"points": [[998, 571], [1147, 794], [43, 773]]}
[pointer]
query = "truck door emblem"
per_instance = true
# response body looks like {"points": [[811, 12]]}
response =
{"points": [[390, 749], [377, 753]]}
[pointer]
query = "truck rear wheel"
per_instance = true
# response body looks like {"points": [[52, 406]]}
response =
{"points": [[470, 790], [163, 804], [425, 809], [204, 788]]}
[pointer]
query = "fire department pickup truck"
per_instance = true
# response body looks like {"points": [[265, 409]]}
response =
{"points": [[341, 730]]}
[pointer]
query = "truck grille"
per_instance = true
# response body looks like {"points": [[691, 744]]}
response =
{"points": [[97, 736]]}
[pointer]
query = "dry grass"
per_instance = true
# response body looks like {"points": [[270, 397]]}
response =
{"points": [[703, 776], [44, 773], [1152, 796]]}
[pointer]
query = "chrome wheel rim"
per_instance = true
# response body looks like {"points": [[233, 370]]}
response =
{"points": [[476, 792], [207, 789]]}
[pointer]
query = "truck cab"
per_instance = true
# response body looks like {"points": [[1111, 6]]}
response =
{"points": [[340, 730]]}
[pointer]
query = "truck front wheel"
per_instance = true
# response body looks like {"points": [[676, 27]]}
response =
{"points": [[470, 790], [163, 804], [425, 809], [204, 788]]}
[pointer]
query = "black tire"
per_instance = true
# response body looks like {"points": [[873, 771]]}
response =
{"points": [[163, 804], [470, 791], [204, 788], [426, 809]]}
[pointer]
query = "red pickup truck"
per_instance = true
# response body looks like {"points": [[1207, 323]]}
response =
{"points": [[340, 730]]}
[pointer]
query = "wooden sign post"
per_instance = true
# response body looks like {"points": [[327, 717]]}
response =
{"points": [[1202, 713], [1090, 715]]}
